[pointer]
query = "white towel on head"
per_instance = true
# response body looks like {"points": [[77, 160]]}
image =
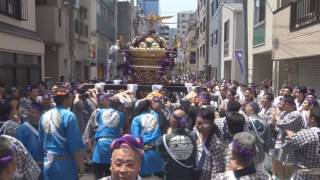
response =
{"points": [[132, 88], [156, 87], [116, 82], [100, 86], [189, 86]]}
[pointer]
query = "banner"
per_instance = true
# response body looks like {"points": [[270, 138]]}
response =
{"points": [[239, 55]]}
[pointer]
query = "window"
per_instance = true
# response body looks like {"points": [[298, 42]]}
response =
{"points": [[21, 70], [211, 39], [204, 24], [259, 11], [59, 18], [217, 4], [41, 2], [216, 36], [192, 57], [226, 31], [304, 13], [198, 10], [285, 3], [14, 8], [204, 50], [212, 8], [183, 15], [201, 27], [77, 26], [83, 12], [226, 38]]}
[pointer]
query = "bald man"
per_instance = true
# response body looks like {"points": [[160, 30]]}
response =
{"points": [[179, 149]]}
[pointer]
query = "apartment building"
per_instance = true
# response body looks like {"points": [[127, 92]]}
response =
{"points": [[232, 41], [203, 40], [172, 37], [52, 22], [94, 31], [21, 48], [296, 37], [260, 41], [106, 31], [165, 32], [184, 19]]}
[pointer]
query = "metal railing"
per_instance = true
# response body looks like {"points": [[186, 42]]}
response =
{"points": [[15, 8], [226, 49], [304, 13]]}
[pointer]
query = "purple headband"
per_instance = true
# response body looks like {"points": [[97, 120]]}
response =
{"points": [[102, 96], [37, 106], [128, 141], [183, 121], [246, 153], [204, 97], [46, 96], [6, 159]]}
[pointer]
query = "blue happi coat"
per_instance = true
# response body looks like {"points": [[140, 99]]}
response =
{"points": [[146, 126], [61, 138], [110, 127], [28, 135]]}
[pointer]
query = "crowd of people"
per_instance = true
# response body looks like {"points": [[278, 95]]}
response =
{"points": [[220, 130]]}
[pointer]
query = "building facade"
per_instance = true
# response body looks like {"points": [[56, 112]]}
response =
{"points": [[94, 32], [260, 30], [216, 40], [295, 52], [191, 50], [232, 41], [105, 36], [165, 32], [184, 19], [172, 37], [203, 39], [150, 7], [21, 48]]}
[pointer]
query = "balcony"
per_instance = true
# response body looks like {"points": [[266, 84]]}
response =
{"points": [[259, 34], [105, 28], [296, 30], [304, 13], [81, 28]]}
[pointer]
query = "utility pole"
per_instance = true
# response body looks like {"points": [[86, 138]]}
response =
{"points": [[71, 27], [245, 38]]}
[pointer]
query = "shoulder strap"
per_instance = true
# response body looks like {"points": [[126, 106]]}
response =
{"points": [[32, 129], [204, 147], [171, 153], [255, 131]]}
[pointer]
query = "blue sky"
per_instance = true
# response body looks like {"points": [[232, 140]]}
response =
{"points": [[172, 7]]}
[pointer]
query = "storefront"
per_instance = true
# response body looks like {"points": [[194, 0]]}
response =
{"points": [[19, 69]]}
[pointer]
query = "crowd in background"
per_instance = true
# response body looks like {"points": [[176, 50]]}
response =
{"points": [[216, 130]]}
